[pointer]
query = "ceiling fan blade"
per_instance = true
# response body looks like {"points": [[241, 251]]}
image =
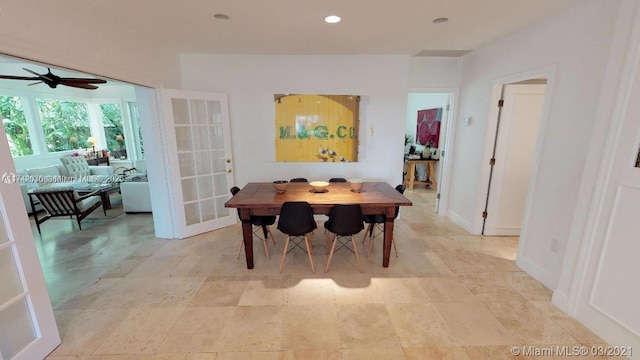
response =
{"points": [[81, 86], [82, 80], [31, 71], [18, 77]]}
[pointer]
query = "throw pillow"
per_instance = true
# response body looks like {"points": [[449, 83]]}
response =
{"points": [[77, 166]]}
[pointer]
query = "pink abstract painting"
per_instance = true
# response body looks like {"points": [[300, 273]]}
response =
{"points": [[428, 128]]}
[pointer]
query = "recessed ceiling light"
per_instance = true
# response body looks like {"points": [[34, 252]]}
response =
{"points": [[440, 20], [221, 16], [332, 19]]}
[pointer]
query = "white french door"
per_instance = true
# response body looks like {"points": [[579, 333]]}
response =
{"points": [[514, 153], [27, 327], [198, 144]]}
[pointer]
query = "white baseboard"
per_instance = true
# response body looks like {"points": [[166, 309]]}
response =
{"points": [[459, 220], [561, 300], [538, 273]]}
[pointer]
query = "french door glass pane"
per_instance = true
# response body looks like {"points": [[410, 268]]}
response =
{"points": [[16, 329], [9, 277]]}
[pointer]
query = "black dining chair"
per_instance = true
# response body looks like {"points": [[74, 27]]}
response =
{"points": [[344, 221], [257, 223], [299, 180], [296, 221], [337, 180], [375, 225]]}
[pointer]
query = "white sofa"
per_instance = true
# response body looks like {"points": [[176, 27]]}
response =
{"points": [[36, 177], [136, 196]]}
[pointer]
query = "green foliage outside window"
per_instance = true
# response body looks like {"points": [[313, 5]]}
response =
{"points": [[65, 124], [15, 125], [112, 120]]}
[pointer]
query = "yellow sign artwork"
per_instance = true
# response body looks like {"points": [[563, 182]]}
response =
{"points": [[317, 128]]}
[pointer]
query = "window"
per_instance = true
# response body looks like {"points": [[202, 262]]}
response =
{"points": [[113, 131], [65, 124], [15, 124], [137, 133]]}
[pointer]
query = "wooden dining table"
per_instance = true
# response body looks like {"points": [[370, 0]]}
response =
{"points": [[262, 199]]}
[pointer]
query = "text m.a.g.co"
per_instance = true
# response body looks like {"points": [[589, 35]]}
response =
{"points": [[319, 132]]}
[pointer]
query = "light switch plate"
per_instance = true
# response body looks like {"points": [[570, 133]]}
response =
{"points": [[467, 121]]}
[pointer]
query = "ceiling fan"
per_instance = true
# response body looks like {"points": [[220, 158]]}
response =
{"points": [[53, 80]]}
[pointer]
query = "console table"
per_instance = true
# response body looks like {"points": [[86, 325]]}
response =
{"points": [[410, 179], [98, 161]]}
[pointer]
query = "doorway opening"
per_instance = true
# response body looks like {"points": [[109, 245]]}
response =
{"points": [[513, 147], [427, 129], [44, 124]]}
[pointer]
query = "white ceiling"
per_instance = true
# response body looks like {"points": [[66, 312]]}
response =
{"points": [[285, 26]]}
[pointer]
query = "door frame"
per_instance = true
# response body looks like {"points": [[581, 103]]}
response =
{"points": [[548, 72], [491, 201], [445, 168]]}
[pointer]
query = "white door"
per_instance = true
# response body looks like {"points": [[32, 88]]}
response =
{"points": [[27, 327], [607, 300], [515, 147], [200, 162]]}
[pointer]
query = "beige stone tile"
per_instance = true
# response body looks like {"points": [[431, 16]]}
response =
{"points": [[526, 323], [570, 325], [490, 287], [254, 328], [197, 330], [166, 266], [90, 294], [125, 293], [356, 289], [140, 333], [492, 352], [446, 289], [112, 357], [266, 290], [366, 326], [220, 291], [419, 325], [390, 353], [310, 327], [311, 355], [174, 292], [401, 290], [198, 356], [473, 324], [528, 287], [307, 291], [462, 261], [254, 355], [82, 332], [437, 352]]}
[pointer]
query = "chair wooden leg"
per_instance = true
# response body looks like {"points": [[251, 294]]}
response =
{"points": [[393, 241], [284, 253], [306, 241], [367, 231], [333, 248], [266, 247], [370, 246], [240, 248], [271, 234], [355, 250]]}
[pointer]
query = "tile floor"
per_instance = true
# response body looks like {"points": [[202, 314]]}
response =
{"points": [[119, 293]]}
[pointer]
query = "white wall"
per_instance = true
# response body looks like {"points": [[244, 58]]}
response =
{"points": [[250, 81], [434, 72], [576, 44]]}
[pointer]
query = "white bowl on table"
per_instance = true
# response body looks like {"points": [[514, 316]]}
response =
{"points": [[319, 186], [356, 184]]}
